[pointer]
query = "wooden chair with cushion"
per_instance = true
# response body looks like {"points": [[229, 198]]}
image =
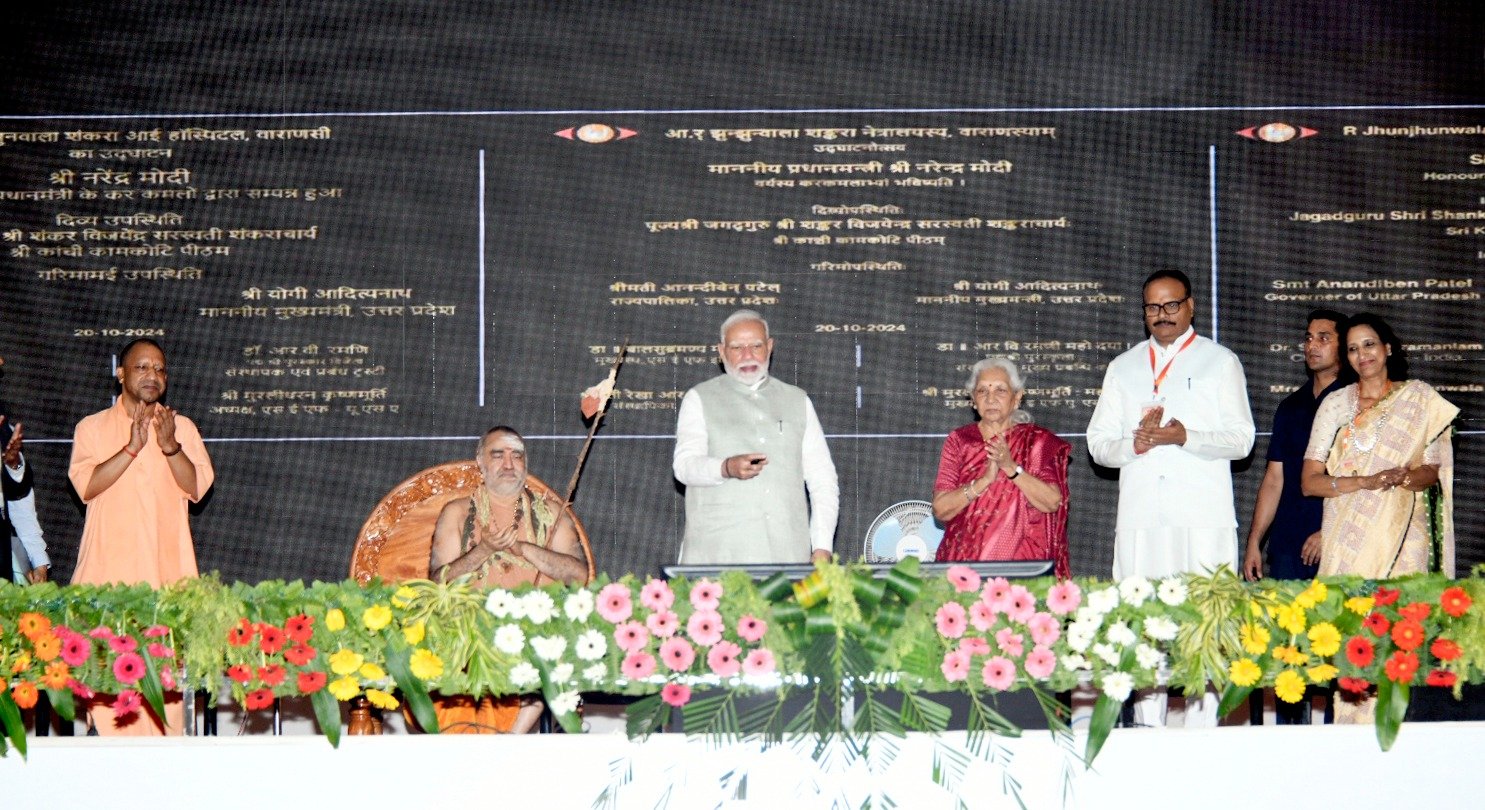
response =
{"points": [[395, 544], [397, 539]]}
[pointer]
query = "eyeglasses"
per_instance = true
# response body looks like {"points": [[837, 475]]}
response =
{"points": [[1169, 307]]}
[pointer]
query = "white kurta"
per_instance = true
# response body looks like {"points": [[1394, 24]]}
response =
{"points": [[1176, 510]]}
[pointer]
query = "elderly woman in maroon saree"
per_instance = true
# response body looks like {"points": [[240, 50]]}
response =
{"points": [[1001, 490]]}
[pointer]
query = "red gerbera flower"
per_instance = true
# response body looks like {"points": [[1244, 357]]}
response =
{"points": [[1378, 624], [270, 639], [258, 699], [311, 682], [1417, 611], [1441, 677], [1360, 652], [1455, 601], [1444, 649], [300, 654], [1357, 685], [271, 675], [127, 702], [300, 628], [241, 635], [1402, 666], [239, 673], [1407, 634], [1386, 596]]}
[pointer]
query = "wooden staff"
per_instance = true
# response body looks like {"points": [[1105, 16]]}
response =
{"points": [[613, 375]]}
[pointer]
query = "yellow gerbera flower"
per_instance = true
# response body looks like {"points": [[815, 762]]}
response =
{"points": [[1289, 686], [372, 672], [425, 664], [345, 662], [344, 688], [334, 620], [1313, 595], [1325, 640], [402, 596], [1254, 639], [376, 617], [1324, 673], [414, 633], [381, 699], [1244, 672], [1291, 618], [1291, 656], [1360, 605]]}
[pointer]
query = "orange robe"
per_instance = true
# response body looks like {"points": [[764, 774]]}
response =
{"points": [[137, 530]]}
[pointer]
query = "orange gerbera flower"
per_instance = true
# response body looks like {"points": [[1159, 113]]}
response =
{"points": [[1407, 634], [56, 676], [47, 646], [1455, 601], [1401, 667], [24, 694], [32, 625]]}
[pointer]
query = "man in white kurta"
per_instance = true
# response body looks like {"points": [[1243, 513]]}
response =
{"points": [[748, 447], [1172, 417]]}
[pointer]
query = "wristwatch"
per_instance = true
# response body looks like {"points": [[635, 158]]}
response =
{"points": [[1013, 476]]}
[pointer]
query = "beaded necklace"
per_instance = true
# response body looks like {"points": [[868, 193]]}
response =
{"points": [[1353, 433]]}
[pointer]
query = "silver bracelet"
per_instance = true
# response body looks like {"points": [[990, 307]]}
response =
{"points": [[1335, 483]]}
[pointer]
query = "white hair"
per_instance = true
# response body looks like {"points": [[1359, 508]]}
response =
{"points": [[740, 316], [1012, 374]]}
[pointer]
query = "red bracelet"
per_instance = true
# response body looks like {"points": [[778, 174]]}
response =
{"points": [[131, 453], [173, 452]]}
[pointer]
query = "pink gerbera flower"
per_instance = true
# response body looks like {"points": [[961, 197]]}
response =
{"points": [[656, 595], [1022, 604], [167, 677], [982, 616], [997, 594], [705, 627], [122, 644], [158, 650], [1064, 597], [723, 659], [101, 633], [76, 649], [956, 665], [638, 665], [677, 654], [998, 673], [1040, 663], [127, 702], [614, 603], [950, 620], [156, 631], [1010, 642], [963, 578], [706, 595], [128, 668], [663, 623], [1045, 628], [751, 629], [631, 636], [974, 645], [676, 694], [758, 662]]}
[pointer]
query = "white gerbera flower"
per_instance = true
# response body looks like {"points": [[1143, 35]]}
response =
{"points": [[524, 675], [1118, 685], [509, 639], [565, 703], [1080, 635], [1088, 615], [1148, 657], [597, 673], [591, 645], [500, 602], [1120, 634], [1104, 600], [1136, 590], [1107, 652], [538, 607], [578, 605], [1161, 628], [562, 673], [549, 648], [1172, 591], [1075, 662]]}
